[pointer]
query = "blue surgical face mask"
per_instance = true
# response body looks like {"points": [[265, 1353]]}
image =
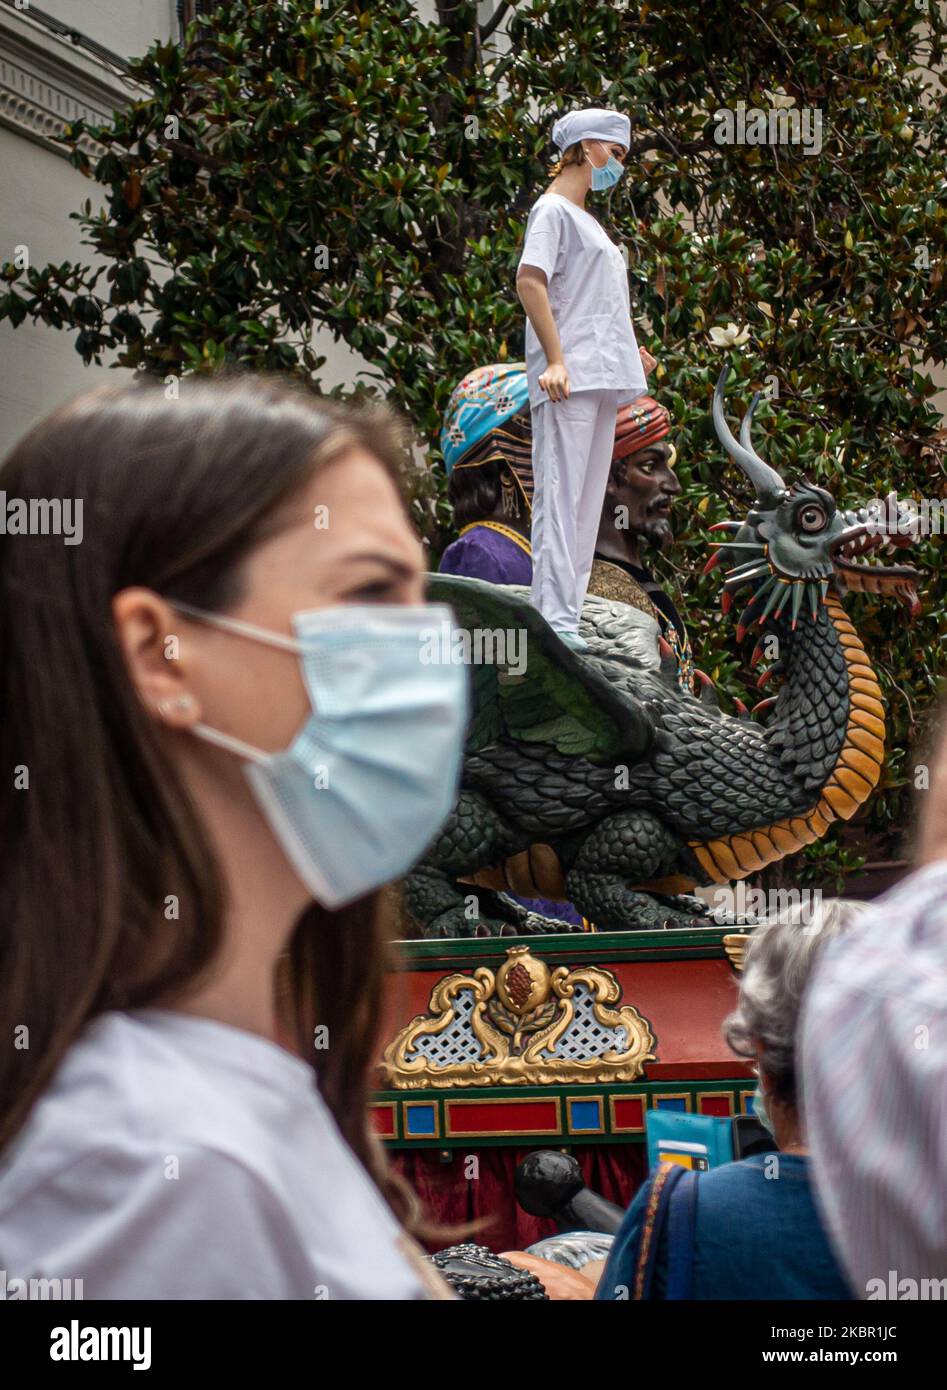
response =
{"points": [[607, 176], [374, 771], [761, 1112]]}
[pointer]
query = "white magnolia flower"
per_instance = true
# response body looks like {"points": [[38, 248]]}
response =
{"points": [[767, 310], [779, 98], [731, 336]]}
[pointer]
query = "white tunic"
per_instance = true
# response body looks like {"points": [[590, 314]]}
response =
{"points": [[588, 294], [173, 1157]]}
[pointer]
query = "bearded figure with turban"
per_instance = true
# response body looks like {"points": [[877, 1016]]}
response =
{"points": [[639, 495], [486, 447]]}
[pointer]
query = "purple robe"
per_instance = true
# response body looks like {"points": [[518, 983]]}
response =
{"points": [[482, 553]]}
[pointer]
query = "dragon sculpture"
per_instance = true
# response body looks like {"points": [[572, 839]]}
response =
{"points": [[599, 772]]}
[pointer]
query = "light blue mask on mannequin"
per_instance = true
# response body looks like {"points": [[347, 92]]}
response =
{"points": [[372, 774], [606, 177]]}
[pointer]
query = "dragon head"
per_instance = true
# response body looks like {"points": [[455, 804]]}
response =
{"points": [[796, 541]]}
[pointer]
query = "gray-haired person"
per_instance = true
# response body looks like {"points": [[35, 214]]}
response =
{"points": [[754, 1231], [874, 1052]]}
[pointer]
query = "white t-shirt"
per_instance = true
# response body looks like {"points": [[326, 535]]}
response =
{"points": [[588, 294], [174, 1157]]}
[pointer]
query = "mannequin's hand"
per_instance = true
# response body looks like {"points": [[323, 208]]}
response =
{"points": [[562, 1284], [647, 361], [555, 381]]}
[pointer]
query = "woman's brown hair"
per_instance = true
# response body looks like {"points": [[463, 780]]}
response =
{"points": [[97, 834], [575, 154]]}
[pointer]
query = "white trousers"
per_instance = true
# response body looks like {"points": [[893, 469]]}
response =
{"points": [[573, 442]]}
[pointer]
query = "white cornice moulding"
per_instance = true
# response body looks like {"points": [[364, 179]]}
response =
{"points": [[45, 83]]}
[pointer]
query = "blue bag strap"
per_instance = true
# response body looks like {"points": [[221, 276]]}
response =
{"points": [[682, 1225], [662, 1185]]}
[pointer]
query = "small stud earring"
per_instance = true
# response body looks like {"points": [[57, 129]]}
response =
{"points": [[181, 703]]}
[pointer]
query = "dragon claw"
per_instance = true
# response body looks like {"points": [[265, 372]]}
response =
{"points": [[775, 670]]}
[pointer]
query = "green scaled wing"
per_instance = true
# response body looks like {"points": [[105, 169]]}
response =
{"points": [[528, 685]]}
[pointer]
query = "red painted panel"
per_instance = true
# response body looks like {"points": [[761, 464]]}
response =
{"points": [[699, 1071], [383, 1120], [685, 1002], [629, 1113], [715, 1105], [407, 994], [502, 1117]]}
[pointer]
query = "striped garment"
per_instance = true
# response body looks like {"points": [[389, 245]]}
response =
{"points": [[874, 1069]]}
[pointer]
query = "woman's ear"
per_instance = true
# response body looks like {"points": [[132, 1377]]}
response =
{"points": [[763, 1076], [147, 632]]}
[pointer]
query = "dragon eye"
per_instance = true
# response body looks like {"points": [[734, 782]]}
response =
{"points": [[812, 518]]}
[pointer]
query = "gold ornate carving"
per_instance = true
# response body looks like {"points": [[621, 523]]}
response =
{"points": [[735, 944], [522, 1029]]}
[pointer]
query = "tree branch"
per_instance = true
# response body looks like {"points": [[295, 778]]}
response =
{"points": [[495, 19]]}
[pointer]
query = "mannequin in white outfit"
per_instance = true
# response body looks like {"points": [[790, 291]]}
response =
{"points": [[582, 360]]}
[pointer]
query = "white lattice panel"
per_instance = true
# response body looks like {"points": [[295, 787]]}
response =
{"points": [[585, 1036], [457, 1043]]}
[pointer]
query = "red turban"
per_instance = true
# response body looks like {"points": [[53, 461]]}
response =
{"points": [[639, 425]]}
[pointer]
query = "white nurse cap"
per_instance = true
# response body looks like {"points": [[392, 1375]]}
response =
{"points": [[595, 123]]}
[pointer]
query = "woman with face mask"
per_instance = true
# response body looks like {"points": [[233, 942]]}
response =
{"points": [[582, 360], [225, 727]]}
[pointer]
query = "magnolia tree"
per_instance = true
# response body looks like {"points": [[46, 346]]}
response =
{"points": [[354, 168]]}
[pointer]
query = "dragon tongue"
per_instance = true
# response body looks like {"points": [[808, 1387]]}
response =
{"points": [[907, 593]]}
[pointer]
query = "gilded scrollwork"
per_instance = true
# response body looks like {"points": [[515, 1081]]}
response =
{"points": [[525, 1024], [735, 944]]}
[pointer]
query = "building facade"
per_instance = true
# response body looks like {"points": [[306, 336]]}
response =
{"points": [[59, 61]]}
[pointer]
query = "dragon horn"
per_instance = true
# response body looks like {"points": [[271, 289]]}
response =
{"points": [[767, 482], [747, 424]]}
